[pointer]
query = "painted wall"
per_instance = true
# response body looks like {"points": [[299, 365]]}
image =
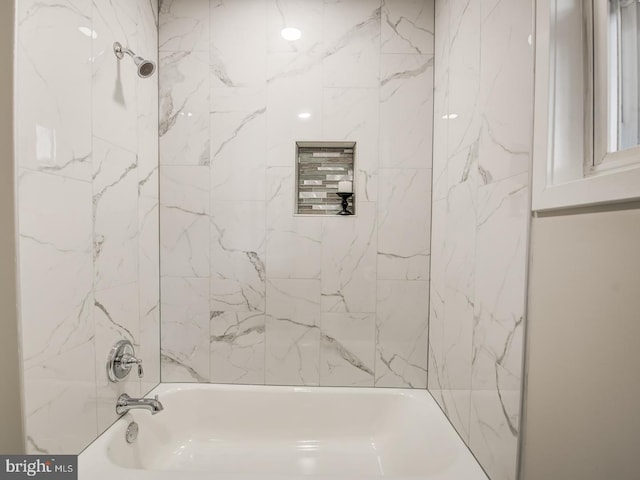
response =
{"points": [[12, 438], [250, 293], [88, 212], [581, 417], [482, 136]]}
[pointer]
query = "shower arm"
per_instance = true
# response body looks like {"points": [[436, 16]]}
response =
{"points": [[146, 68], [119, 50]]}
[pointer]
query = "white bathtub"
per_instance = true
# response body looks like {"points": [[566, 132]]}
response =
{"points": [[237, 432]]}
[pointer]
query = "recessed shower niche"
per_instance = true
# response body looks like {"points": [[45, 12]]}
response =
{"points": [[325, 178]]}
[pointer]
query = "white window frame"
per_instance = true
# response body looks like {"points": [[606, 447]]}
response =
{"points": [[597, 176]]}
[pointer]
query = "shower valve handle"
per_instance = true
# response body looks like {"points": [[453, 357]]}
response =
{"points": [[129, 360], [121, 359]]}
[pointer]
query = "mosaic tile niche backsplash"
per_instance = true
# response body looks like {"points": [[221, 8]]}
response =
{"points": [[252, 293], [321, 168]]}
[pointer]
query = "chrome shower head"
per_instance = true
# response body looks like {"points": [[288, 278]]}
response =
{"points": [[146, 68]]}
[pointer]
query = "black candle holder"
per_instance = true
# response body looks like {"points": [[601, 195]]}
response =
{"points": [[345, 204]]}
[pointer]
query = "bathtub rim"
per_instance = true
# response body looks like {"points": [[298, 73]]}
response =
{"points": [[112, 470]]}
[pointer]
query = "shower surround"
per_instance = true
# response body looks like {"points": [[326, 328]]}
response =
{"points": [[87, 185], [481, 204], [251, 293]]}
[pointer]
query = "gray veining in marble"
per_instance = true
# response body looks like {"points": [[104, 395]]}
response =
{"points": [[483, 79], [294, 300], [88, 163]]}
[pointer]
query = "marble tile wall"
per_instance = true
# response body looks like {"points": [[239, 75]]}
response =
{"points": [[252, 293], [482, 129], [87, 157]]}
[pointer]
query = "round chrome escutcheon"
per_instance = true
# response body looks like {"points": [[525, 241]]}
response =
{"points": [[116, 370], [132, 432]]}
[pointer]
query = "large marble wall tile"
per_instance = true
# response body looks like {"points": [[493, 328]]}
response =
{"points": [[184, 221], [459, 285], [455, 402], [291, 66], [184, 25], [60, 402], [433, 369], [464, 82], [147, 35], [294, 243], [148, 106], [463, 169], [238, 46], [483, 91], [441, 113], [115, 215], [352, 114], [149, 286], [56, 269], [500, 261], [185, 329], [238, 142], [149, 349], [184, 108], [494, 427], [461, 240], [305, 15], [407, 26], [237, 256], [237, 347], [295, 300], [293, 332], [261, 252], [351, 56], [436, 382], [148, 168], [406, 111], [292, 353], [506, 83], [459, 288], [459, 275], [115, 82], [148, 101], [54, 120], [401, 209], [347, 349], [497, 336], [88, 203], [116, 314], [349, 246], [294, 87], [149, 208], [401, 334], [184, 233]]}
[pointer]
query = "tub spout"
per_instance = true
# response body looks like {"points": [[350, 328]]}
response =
{"points": [[126, 403]]}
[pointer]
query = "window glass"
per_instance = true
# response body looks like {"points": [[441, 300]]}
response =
{"points": [[623, 69]]}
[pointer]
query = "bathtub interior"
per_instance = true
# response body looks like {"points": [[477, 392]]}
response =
{"points": [[289, 431]]}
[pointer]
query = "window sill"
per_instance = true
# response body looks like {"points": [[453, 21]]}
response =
{"points": [[620, 185]]}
